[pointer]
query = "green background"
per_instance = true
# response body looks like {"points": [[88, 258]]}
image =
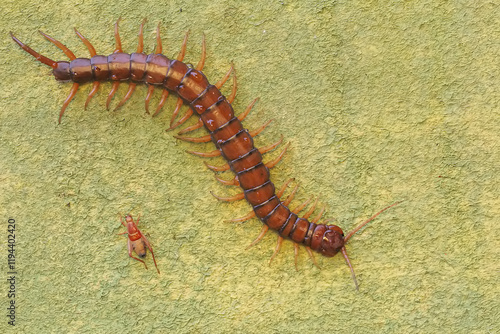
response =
{"points": [[380, 102]]}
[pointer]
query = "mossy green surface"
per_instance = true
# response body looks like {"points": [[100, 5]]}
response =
{"points": [[380, 102]]}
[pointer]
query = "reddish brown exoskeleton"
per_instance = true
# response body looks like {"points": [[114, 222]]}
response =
{"points": [[137, 241]]}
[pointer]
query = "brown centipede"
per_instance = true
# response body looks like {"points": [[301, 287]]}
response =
{"points": [[232, 141]]}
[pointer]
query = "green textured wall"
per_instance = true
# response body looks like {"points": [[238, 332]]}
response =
{"points": [[380, 103]]}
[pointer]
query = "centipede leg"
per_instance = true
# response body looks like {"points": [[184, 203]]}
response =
{"points": [[311, 255], [182, 120], [291, 196], [72, 93], [182, 53], [261, 235], [131, 89], [273, 163], [212, 154], [218, 168], [233, 182], [140, 41], [178, 106], [231, 97], [201, 63], [271, 147], [246, 217], [277, 249], [151, 89], [236, 197], [204, 139], [159, 47], [87, 43], [302, 206], [163, 99], [260, 129], [193, 127], [93, 91], [224, 78], [311, 210], [112, 92], [318, 217], [244, 114], [118, 47], [61, 46]]}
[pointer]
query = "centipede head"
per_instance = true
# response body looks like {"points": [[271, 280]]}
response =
{"points": [[332, 241]]}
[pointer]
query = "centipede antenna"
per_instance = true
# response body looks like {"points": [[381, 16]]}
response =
{"points": [[344, 253], [39, 57], [356, 229]]}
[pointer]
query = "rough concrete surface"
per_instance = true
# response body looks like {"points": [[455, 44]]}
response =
{"points": [[380, 102]]}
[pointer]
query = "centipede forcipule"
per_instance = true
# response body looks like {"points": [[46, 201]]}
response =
{"points": [[232, 140]]}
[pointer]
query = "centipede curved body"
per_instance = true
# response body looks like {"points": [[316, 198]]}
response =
{"points": [[215, 112]]}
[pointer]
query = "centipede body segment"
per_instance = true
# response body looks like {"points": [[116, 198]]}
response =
{"points": [[216, 114]]}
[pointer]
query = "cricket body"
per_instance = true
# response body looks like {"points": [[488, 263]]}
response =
{"points": [[215, 113], [137, 242]]}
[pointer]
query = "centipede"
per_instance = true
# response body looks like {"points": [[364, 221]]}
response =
{"points": [[225, 130]]}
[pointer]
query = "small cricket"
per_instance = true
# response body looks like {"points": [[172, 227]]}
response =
{"points": [[136, 240]]}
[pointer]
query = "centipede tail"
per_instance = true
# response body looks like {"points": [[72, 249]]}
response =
{"points": [[39, 57], [232, 141]]}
